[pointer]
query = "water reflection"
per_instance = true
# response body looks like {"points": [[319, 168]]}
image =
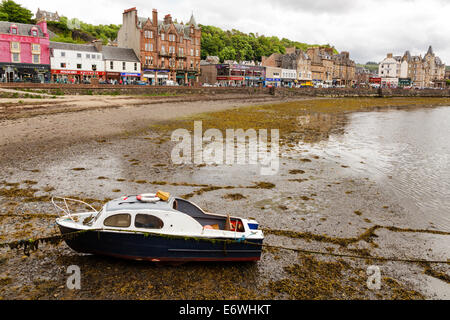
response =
{"points": [[407, 151]]}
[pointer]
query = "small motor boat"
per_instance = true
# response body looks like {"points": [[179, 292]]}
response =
{"points": [[151, 227]]}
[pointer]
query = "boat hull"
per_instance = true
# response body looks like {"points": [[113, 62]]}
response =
{"points": [[142, 247]]}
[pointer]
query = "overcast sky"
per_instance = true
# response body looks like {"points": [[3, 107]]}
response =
{"points": [[367, 28]]}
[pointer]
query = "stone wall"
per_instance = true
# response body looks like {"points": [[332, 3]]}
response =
{"points": [[58, 89]]}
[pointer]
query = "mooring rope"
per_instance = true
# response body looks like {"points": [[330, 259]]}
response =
{"points": [[33, 245]]}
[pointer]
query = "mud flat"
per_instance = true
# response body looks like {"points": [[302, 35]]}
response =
{"points": [[324, 198]]}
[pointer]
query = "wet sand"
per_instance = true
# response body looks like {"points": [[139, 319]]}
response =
{"points": [[313, 203]]}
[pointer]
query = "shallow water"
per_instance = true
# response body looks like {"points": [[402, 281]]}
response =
{"points": [[406, 151]]}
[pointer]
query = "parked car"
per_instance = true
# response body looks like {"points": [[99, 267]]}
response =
{"points": [[141, 83], [170, 83]]}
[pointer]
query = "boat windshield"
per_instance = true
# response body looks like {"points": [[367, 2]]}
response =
{"points": [[99, 214]]}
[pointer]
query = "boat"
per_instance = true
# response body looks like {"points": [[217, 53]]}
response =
{"points": [[156, 228]]}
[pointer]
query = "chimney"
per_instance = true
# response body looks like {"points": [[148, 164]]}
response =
{"points": [[98, 44], [42, 23], [168, 19], [390, 55], [155, 17]]}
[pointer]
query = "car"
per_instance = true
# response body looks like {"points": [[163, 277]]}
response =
{"points": [[141, 83], [171, 83]]}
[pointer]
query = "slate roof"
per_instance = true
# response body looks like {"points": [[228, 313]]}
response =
{"points": [[119, 54], [22, 29], [72, 46]]}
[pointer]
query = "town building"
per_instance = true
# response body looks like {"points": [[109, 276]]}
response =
{"points": [[208, 74], [434, 69], [322, 65], [288, 77], [121, 64], [389, 71], [293, 59], [167, 50], [273, 77], [79, 63], [344, 70], [416, 71], [48, 16], [75, 63], [24, 52], [362, 76]]}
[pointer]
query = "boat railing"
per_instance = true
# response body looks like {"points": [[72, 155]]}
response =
{"points": [[66, 210]]}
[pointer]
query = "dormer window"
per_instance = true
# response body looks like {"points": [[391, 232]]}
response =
{"points": [[14, 29], [34, 32]]}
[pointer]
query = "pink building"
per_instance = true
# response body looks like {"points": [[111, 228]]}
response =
{"points": [[24, 52]]}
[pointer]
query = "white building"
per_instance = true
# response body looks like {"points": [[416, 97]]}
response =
{"points": [[121, 64], [390, 70], [75, 63], [288, 77]]}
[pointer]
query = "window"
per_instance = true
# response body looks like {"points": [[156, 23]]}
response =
{"points": [[135, 66], [163, 49], [15, 46], [63, 54], [192, 52], [196, 52], [163, 36], [63, 64], [15, 57], [124, 66], [35, 47], [151, 46], [94, 67], [78, 55], [88, 56], [79, 66], [118, 221], [14, 29], [111, 65], [145, 221], [36, 58]]}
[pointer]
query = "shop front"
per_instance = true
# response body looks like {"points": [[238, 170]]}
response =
{"points": [[76, 76], [274, 82], [113, 77], [404, 82], [155, 77], [23, 72], [130, 78]]}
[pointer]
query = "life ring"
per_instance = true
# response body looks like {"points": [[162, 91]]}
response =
{"points": [[149, 197]]}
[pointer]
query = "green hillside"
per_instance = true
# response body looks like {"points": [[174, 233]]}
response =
{"points": [[227, 45]]}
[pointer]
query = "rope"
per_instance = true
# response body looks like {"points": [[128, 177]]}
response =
{"points": [[33, 244], [358, 257]]}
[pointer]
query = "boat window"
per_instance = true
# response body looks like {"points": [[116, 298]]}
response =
{"points": [[188, 208], [118, 221], [145, 221]]}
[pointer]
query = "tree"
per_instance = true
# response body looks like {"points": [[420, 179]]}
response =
{"points": [[14, 12]]}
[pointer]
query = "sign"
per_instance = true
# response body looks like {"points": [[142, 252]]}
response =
{"points": [[273, 79], [231, 78], [374, 80], [126, 74], [77, 72], [155, 70]]}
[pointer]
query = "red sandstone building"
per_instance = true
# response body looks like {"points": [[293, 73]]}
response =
{"points": [[167, 50]]}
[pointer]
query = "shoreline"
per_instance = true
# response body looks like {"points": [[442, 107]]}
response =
{"points": [[314, 209]]}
